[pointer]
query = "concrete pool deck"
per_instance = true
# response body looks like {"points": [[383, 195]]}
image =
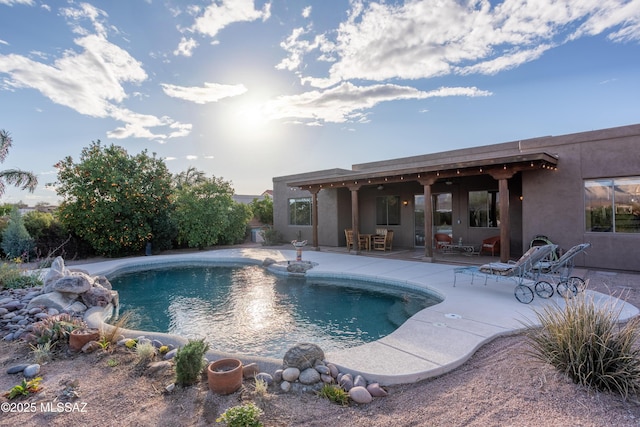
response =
{"points": [[436, 340]]}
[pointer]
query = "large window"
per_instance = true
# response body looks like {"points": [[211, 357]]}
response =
{"points": [[484, 209], [612, 205], [388, 210], [300, 211]]}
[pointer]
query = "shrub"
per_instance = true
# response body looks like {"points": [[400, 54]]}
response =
{"points": [[190, 361], [241, 416], [16, 241], [270, 236], [145, 352], [11, 277], [335, 394], [586, 342], [56, 328]]}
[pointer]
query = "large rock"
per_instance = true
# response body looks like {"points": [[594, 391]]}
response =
{"points": [[102, 281], [73, 284], [302, 356], [97, 296], [309, 376], [56, 271], [55, 300], [360, 395]]}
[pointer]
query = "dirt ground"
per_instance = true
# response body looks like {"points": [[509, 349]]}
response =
{"points": [[499, 386]]}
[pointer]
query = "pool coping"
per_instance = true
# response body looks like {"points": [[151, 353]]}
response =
{"points": [[434, 341]]}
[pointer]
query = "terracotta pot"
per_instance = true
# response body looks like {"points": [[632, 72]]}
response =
{"points": [[79, 337], [225, 376]]}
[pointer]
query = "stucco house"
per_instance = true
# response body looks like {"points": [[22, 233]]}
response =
{"points": [[576, 188]]}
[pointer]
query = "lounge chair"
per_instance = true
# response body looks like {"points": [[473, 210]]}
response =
{"points": [[559, 271], [519, 271]]}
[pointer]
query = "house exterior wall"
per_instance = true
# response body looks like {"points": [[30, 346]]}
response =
{"points": [[542, 202]]}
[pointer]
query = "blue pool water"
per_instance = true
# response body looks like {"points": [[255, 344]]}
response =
{"points": [[248, 310]]}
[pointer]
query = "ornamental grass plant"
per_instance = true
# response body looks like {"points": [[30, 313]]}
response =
{"points": [[586, 341]]}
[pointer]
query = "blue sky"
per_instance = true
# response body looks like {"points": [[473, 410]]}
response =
{"points": [[248, 90]]}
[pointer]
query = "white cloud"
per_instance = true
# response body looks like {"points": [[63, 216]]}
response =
{"points": [[91, 81], [429, 38], [191, 157], [12, 2], [346, 102], [216, 17], [306, 12], [186, 47], [211, 92]]}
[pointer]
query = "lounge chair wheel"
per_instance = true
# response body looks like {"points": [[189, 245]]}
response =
{"points": [[524, 294], [544, 289], [567, 289], [578, 282]]}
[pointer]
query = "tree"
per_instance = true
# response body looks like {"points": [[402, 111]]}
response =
{"points": [[16, 241], [17, 177], [191, 176], [115, 201], [206, 214], [263, 209]]}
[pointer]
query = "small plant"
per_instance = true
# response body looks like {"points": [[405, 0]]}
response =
{"points": [[584, 341], [335, 394], [261, 387], [112, 333], [41, 352], [145, 352], [56, 328], [241, 416], [163, 349], [104, 343], [24, 388], [130, 343], [112, 363], [190, 361]]}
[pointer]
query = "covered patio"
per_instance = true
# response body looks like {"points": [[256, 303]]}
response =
{"points": [[429, 172]]}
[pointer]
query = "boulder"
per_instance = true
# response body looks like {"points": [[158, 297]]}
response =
{"points": [[302, 356], [56, 271], [290, 374], [97, 296], [376, 391], [75, 284], [102, 281], [55, 300]]}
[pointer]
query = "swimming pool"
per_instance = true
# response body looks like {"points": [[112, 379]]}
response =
{"points": [[249, 310]]}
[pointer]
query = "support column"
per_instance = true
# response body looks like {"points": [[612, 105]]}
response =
{"points": [[314, 217], [428, 216], [355, 217], [505, 226]]}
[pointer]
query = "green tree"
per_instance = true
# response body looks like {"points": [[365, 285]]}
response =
{"points": [[206, 214], [17, 177], [16, 241], [190, 177], [263, 209], [115, 201]]}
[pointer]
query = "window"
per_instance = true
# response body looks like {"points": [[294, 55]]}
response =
{"points": [[300, 211], [612, 205], [388, 210], [484, 209]]}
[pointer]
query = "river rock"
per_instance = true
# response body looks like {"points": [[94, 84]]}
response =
{"points": [[302, 356], [290, 374], [323, 370], [309, 376], [359, 381], [250, 370], [376, 391], [346, 382], [263, 376], [31, 371], [328, 379], [16, 369], [285, 386], [277, 375], [155, 367], [360, 395]]}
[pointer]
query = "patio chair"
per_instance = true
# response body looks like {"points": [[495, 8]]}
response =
{"points": [[442, 239], [348, 233], [559, 271], [383, 240], [492, 244]]}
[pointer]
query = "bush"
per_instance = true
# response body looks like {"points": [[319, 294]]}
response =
{"points": [[242, 416], [586, 342], [16, 241], [11, 277], [270, 236], [190, 361]]}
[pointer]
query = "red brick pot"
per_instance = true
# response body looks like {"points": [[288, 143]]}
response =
{"points": [[225, 376]]}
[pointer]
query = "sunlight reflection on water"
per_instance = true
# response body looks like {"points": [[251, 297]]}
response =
{"points": [[248, 310]]}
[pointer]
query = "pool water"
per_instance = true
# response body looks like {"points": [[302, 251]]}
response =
{"points": [[248, 310]]}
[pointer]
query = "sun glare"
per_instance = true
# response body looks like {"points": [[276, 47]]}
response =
{"points": [[249, 121]]}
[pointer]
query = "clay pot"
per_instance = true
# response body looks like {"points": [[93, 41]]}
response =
{"points": [[79, 337], [225, 376]]}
